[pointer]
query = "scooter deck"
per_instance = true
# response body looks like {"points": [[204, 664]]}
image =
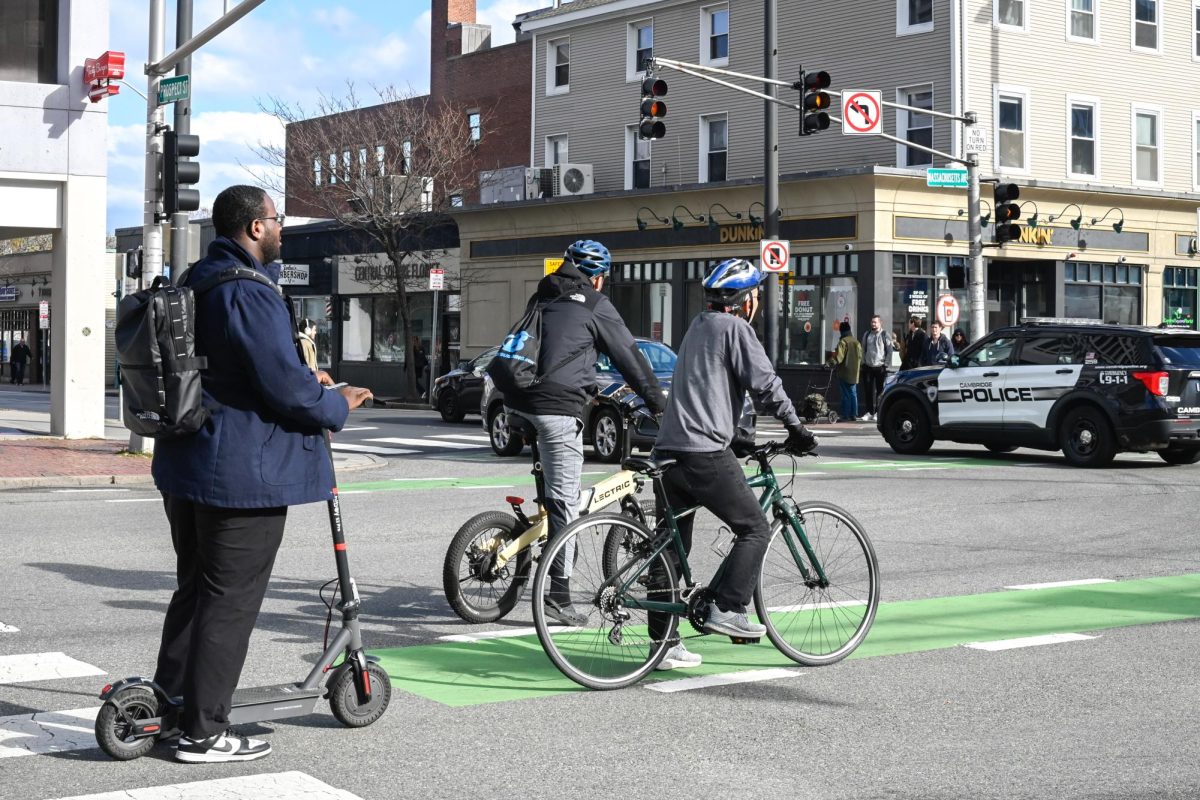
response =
{"points": [[262, 703]]}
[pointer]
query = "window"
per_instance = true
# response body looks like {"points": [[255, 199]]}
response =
{"points": [[1082, 146], [1145, 25], [1044, 350], [1011, 134], [556, 150], [1107, 292], [1196, 151], [333, 169], [346, 166], [406, 154], [637, 157], [640, 48], [714, 40], [914, 126], [317, 172], [913, 16], [456, 200], [29, 41], [990, 353], [362, 164], [1196, 31], [474, 124], [1180, 294], [714, 148], [381, 159], [816, 291], [558, 66], [1081, 20], [1009, 13], [1146, 146]]}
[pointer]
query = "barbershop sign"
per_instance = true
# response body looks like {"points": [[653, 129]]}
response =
{"points": [[293, 275]]}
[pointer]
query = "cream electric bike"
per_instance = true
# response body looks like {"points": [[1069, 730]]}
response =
{"points": [[492, 555]]}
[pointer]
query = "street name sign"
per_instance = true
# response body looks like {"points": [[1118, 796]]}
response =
{"points": [[172, 90], [946, 178]]}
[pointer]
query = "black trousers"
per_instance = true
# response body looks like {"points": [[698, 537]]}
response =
{"points": [[18, 372], [716, 482], [224, 558], [872, 387]]}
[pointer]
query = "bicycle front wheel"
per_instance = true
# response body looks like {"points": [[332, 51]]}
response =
{"points": [[816, 621], [614, 647]]}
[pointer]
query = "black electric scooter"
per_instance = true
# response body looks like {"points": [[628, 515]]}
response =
{"points": [[137, 712]]}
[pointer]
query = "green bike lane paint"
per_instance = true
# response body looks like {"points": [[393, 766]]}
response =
{"points": [[501, 669]]}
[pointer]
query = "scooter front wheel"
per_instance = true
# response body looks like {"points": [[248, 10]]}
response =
{"points": [[343, 697], [115, 723]]}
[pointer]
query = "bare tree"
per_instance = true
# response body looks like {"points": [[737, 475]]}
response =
{"points": [[390, 171]]}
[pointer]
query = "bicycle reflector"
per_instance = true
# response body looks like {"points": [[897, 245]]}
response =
{"points": [[1155, 382]]}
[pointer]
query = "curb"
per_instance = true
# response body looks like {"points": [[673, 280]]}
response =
{"points": [[408, 405]]}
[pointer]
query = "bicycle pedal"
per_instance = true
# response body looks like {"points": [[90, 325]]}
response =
{"points": [[741, 640]]}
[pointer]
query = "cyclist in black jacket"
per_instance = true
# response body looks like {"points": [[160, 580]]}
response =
{"points": [[579, 323]]}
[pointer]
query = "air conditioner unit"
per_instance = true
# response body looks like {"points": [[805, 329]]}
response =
{"points": [[539, 182], [573, 179]]}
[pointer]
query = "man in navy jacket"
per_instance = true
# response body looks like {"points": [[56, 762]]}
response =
{"points": [[226, 488]]}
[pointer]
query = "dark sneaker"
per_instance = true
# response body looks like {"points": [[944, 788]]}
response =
{"points": [[564, 613], [732, 623], [220, 747]]}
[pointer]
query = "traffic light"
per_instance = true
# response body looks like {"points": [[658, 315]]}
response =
{"points": [[653, 109], [1007, 210], [814, 103], [179, 173]]}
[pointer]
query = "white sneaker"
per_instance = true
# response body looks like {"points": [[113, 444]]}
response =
{"points": [[679, 657], [220, 747]]}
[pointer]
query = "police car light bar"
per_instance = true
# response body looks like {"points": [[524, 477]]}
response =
{"points": [[1059, 321]]}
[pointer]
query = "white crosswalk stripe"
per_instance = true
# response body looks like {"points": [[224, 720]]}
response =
{"points": [[48, 732], [400, 440], [267, 786], [373, 450], [27, 667], [9, 628]]}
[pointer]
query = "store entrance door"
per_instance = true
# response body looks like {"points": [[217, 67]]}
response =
{"points": [[1019, 289]]}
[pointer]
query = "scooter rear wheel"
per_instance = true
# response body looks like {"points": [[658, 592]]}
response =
{"points": [[114, 723], [343, 698]]}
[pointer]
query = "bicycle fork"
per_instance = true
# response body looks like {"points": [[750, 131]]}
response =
{"points": [[793, 529]]}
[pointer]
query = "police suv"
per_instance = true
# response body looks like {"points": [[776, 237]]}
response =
{"points": [[1086, 388]]}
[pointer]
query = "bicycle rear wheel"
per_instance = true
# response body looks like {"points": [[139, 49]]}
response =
{"points": [[613, 647], [815, 622], [618, 542], [475, 589]]}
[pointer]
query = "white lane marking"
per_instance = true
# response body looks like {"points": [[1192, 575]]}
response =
{"points": [[504, 634], [27, 667], [425, 443], [378, 451], [360, 428], [817, 606], [496, 486], [400, 480], [1057, 584], [352, 491], [1028, 641], [915, 469], [81, 491], [705, 681], [48, 732], [466, 437], [9, 628], [265, 786], [137, 500]]}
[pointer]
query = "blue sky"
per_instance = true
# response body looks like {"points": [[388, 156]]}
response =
{"points": [[288, 49]]}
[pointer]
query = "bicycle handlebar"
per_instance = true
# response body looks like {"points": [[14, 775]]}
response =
{"points": [[766, 451]]}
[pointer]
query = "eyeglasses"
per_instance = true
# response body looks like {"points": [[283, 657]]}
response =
{"points": [[279, 218]]}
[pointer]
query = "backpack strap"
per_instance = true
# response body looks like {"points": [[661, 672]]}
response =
{"points": [[247, 274], [562, 362]]}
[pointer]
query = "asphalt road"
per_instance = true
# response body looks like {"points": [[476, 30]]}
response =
{"points": [[916, 714]]}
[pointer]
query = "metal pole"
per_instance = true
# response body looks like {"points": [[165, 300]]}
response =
{"points": [[435, 357], [771, 171], [180, 228], [152, 244], [975, 235], [162, 65]]}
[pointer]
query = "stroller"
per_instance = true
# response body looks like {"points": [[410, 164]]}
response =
{"points": [[815, 407]]}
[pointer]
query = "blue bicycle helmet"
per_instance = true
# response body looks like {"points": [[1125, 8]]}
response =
{"points": [[731, 281], [589, 257]]}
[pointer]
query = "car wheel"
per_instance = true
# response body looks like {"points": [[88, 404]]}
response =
{"points": [[906, 429], [606, 435], [504, 441], [1001, 448], [1086, 438], [1180, 455], [449, 406]]}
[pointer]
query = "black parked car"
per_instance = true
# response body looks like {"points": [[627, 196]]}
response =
{"points": [[458, 392], [602, 427]]}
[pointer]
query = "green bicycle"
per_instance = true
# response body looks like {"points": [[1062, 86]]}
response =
{"points": [[817, 592]]}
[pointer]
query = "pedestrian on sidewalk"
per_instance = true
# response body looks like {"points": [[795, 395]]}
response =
{"points": [[938, 349], [914, 343], [306, 331], [877, 357], [21, 355], [226, 488], [958, 342], [848, 360]]}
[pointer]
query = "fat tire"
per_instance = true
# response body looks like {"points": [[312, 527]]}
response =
{"points": [[1078, 454], [145, 703], [343, 697], [826, 620], [477, 612], [913, 442]]}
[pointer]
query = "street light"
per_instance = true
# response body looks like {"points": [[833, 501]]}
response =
{"points": [[1075, 223], [712, 222], [642, 224], [1118, 225], [676, 224], [756, 221]]}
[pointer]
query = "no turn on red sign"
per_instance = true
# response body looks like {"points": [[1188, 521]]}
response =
{"points": [[774, 254], [862, 113]]}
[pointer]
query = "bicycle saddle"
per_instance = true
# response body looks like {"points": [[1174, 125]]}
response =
{"points": [[653, 466], [522, 427]]}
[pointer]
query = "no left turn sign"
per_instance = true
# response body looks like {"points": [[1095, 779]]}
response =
{"points": [[862, 113], [773, 254]]}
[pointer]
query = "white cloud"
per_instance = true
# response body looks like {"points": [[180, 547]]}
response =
{"points": [[339, 20], [500, 15]]}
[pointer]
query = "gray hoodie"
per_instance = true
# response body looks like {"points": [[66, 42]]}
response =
{"points": [[719, 361]]}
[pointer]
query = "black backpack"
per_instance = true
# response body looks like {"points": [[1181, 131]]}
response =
{"points": [[515, 367], [156, 349]]}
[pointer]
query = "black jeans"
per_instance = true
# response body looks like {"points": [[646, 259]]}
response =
{"points": [[716, 482], [872, 387], [224, 558], [18, 372]]}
